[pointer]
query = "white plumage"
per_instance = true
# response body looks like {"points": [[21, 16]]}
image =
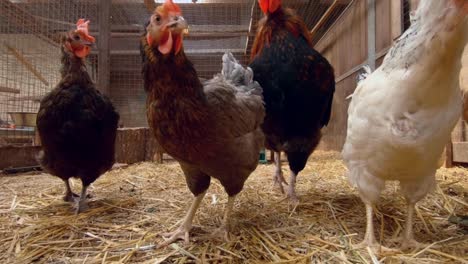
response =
{"points": [[401, 115]]}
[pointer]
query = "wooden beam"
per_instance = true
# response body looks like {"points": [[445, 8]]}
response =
{"points": [[26, 64], [104, 46], [18, 156], [449, 154], [9, 90], [324, 18], [460, 152], [371, 34], [396, 16], [251, 26], [34, 98]]}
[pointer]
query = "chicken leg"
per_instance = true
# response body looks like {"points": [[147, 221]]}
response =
{"points": [[278, 178], [408, 240], [226, 226], [292, 188], [69, 195], [82, 203], [369, 237], [182, 232]]}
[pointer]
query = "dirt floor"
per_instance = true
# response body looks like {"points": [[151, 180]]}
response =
{"points": [[130, 207]]}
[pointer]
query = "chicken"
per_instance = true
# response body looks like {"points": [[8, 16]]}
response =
{"points": [[298, 86], [76, 123], [211, 129], [402, 115]]}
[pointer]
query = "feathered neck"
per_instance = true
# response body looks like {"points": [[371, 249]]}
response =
{"points": [[282, 18], [169, 75], [438, 32], [73, 68]]}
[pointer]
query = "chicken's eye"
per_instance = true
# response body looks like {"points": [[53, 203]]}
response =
{"points": [[76, 37], [157, 19]]}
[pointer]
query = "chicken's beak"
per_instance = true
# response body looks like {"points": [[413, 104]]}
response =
{"points": [[88, 43], [177, 24]]}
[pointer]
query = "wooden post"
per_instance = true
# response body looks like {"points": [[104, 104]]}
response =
{"points": [[371, 57], [272, 156], [449, 154], [103, 46], [397, 26]]}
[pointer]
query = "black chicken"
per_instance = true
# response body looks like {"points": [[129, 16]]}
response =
{"points": [[76, 123], [298, 86]]}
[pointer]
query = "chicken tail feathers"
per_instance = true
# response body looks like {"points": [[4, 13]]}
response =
{"points": [[241, 77]]}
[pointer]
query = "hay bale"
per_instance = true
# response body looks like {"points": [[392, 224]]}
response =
{"points": [[130, 145], [18, 156]]}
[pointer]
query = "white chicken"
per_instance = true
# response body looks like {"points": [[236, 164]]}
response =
{"points": [[401, 115]]}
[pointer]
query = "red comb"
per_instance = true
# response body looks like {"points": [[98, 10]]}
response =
{"points": [[171, 7], [82, 26]]}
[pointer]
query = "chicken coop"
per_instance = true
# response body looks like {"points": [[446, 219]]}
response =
{"points": [[30, 49], [31, 33], [137, 199]]}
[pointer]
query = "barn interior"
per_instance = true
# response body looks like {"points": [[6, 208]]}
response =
{"points": [[132, 204]]}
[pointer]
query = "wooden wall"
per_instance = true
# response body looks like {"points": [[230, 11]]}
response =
{"points": [[345, 46]]}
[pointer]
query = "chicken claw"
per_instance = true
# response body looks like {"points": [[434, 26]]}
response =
{"points": [[411, 244], [70, 197], [278, 179], [81, 206], [407, 244], [292, 195], [222, 233], [180, 233], [375, 247]]}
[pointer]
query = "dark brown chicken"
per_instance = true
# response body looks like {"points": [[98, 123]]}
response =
{"points": [[298, 86], [211, 129], [76, 123]]}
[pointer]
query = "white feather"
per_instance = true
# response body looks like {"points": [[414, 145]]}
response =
{"points": [[401, 115]]}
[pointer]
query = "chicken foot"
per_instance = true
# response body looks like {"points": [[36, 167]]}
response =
{"points": [[225, 229], [182, 232], [278, 178], [369, 237], [69, 195]]}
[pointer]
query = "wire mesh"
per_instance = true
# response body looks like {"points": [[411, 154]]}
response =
{"points": [[32, 28], [30, 59]]}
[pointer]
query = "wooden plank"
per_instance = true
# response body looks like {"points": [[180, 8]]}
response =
{"points": [[5, 89], [18, 156], [460, 152], [371, 38], [26, 64], [103, 46], [324, 18], [449, 154], [251, 33], [396, 10], [34, 98]]}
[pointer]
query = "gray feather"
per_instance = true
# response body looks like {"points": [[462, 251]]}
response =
{"points": [[241, 77]]}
